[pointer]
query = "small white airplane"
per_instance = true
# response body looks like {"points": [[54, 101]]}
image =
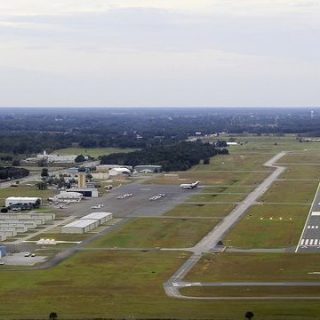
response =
{"points": [[98, 206], [189, 185]]}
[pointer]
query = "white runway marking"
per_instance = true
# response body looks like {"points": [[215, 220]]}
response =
{"points": [[311, 242], [307, 242], [302, 242]]}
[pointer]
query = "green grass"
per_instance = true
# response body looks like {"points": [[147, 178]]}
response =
{"points": [[231, 267], [201, 210], [152, 233], [123, 285], [256, 230], [293, 192], [235, 162], [93, 152], [301, 172], [251, 291], [302, 157], [218, 197]]}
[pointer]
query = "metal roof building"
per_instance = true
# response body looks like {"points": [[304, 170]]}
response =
{"points": [[101, 217], [79, 226], [22, 200]]}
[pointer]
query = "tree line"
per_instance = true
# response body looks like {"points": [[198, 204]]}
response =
{"points": [[176, 157], [13, 173]]}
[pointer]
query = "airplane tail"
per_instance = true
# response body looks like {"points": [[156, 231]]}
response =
{"points": [[195, 184]]}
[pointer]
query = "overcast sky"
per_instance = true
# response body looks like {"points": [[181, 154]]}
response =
{"points": [[159, 53]]}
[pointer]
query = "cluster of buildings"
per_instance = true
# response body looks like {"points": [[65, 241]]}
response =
{"points": [[12, 224], [52, 158]]}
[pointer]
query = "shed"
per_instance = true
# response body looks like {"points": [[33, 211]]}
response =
{"points": [[101, 217], [79, 226]]}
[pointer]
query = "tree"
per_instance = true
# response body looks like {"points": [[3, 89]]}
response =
{"points": [[44, 172], [249, 315], [206, 161], [80, 158], [16, 163], [42, 185], [53, 316]]}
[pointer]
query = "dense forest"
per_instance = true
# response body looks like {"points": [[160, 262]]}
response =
{"points": [[177, 157], [29, 131]]}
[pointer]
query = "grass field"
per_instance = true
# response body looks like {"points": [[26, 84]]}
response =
{"points": [[122, 285], [235, 162], [269, 226], [252, 292], [256, 267], [226, 196], [93, 152], [152, 233], [301, 172], [201, 210]]}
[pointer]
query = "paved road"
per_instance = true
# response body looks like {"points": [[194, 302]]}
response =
{"points": [[209, 242], [310, 237]]}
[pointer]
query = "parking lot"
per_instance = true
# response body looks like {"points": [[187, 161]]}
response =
{"points": [[19, 259], [133, 200]]}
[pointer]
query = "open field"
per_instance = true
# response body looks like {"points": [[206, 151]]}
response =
{"points": [[93, 152], [201, 210], [152, 233], [271, 144], [218, 197], [305, 158], [256, 267], [301, 172], [269, 226], [288, 191], [122, 285], [251, 292], [24, 191], [235, 162]]}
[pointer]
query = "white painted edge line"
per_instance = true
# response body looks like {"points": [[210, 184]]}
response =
{"points": [[307, 220]]}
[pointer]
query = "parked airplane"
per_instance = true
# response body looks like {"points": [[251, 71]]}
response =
{"points": [[189, 185]]}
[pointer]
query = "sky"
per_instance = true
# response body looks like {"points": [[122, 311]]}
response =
{"points": [[159, 53]]}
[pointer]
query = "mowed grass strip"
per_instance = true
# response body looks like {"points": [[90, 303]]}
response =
{"points": [[305, 157], [288, 191], [301, 172], [269, 226], [217, 197], [151, 233], [247, 291], [201, 210], [235, 162], [265, 267]]}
